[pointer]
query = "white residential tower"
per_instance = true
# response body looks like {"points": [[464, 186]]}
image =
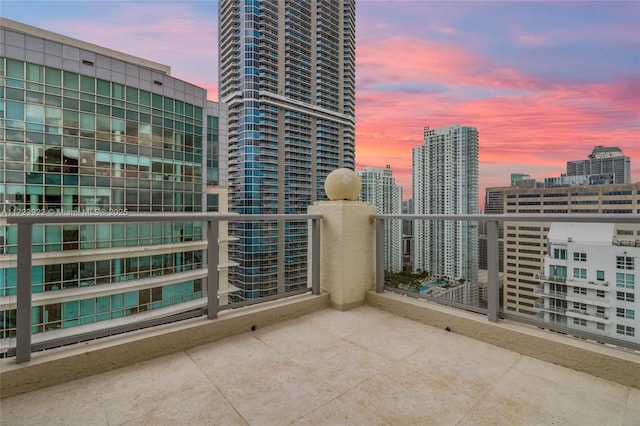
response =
{"points": [[380, 190], [445, 181], [589, 281]]}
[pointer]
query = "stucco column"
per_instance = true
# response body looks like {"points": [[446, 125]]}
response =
{"points": [[347, 251]]}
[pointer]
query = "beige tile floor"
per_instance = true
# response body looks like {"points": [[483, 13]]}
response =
{"points": [[360, 367]]}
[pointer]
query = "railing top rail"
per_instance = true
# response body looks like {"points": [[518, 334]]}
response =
{"points": [[73, 217], [569, 217]]}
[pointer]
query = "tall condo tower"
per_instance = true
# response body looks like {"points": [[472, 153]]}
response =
{"points": [[445, 181], [287, 72], [380, 190]]}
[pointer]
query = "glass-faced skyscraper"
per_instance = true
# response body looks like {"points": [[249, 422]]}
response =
{"points": [[445, 181], [287, 73], [86, 130]]}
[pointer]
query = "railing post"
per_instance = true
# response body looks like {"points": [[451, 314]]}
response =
{"points": [[213, 259], [315, 256], [379, 255], [23, 302], [493, 260]]}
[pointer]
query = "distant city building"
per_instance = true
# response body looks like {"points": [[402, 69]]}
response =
{"points": [[494, 200], [380, 190], [493, 204], [483, 288], [525, 242], [590, 280], [287, 72], [580, 180], [518, 177], [602, 161], [88, 129], [466, 293], [407, 231], [588, 186], [445, 181]]}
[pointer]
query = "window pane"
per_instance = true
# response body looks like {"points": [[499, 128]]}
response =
{"points": [[70, 119], [15, 69], [87, 121], [53, 77], [53, 116], [145, 98], [104, 88], [71, 80], [88, 84], [35, 113], [35, 73], [157, 101], [117, 91], [168, 104], [132, 94], [15, 110]]}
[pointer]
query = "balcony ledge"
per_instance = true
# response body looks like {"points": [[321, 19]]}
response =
{"points": [[315, 365], [56, 366], [598, 360]]}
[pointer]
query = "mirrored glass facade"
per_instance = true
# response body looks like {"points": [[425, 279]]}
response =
{"points": [[85, 129]]}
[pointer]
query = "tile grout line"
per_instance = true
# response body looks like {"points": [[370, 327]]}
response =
{"points": [[217, 388], [490, 387]]}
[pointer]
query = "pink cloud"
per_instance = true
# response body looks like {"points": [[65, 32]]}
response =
{"points": [[526, 125], [428, 62]]}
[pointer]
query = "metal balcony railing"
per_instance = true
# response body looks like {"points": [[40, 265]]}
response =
{"points": [[549, 293], [590, 299], [551, 278], [554, 309], [493, 310], [208, 305], [599, 283]]}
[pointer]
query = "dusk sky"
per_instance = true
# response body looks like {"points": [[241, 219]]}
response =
{"points": [[544, 82]]}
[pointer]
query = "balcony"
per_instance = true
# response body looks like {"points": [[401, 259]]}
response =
{"points": [[590, 299], [363, 366], [551, 308], [550, 278], [383, 359], [540, 290], [599, 283], [603, 285], [583, 314]]}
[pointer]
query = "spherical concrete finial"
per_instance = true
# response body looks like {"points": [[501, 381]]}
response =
{"points": [[342, 184]]}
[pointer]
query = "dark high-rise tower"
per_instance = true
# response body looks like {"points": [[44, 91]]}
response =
{"points": [[287, 73]]}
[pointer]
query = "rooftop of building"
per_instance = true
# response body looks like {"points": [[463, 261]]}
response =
{"points": [[32, 31], [362, 366], [605, 152], [591, 233], [574, 189]]}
